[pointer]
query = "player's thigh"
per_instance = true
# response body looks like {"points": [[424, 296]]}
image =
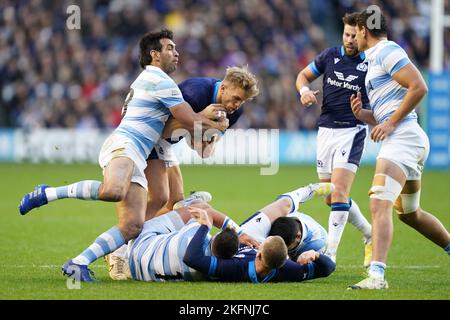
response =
{"points": [[118, 173], [257, 226], [324, 153]]}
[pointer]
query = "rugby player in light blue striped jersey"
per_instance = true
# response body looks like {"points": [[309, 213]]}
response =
{"points": [[153, 97]]}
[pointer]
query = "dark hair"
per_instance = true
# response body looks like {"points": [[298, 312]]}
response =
{"points": [[225, 244], [151, 41], [287, 228], [350, 19], [377, 31]]}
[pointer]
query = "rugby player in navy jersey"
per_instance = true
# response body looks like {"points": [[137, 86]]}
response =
{"points": [[341, 137], [204, 95], [165, 181], [268, 263], [175, 247]]}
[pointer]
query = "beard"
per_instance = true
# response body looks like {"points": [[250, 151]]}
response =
{"points": [[351, 52]]}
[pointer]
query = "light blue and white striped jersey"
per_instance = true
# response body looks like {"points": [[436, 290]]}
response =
{"points": [[147, 104], [157, 254], [385, 94], [314, 236]]}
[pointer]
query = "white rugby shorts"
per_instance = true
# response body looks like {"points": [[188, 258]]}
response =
{"points": [[117, 145], [408, 147], [339, 148]]}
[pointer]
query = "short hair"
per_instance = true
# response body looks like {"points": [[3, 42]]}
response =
{"points": [[350, 19], [287, 228], [225, 244], [151, 41], [243, 78], [274, 252], [377, 31]]}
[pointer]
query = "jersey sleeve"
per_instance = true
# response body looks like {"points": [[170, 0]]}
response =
{"points": [[294, 272], [393, 58], [221, 269], [168, 93], [195, 257], [318, 65]]}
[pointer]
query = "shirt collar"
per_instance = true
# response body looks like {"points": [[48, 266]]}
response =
{"points": [[254, 276], [216, 89]]}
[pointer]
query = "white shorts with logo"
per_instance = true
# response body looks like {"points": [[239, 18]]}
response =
{"points": [[339, 148], [163, 150], [117, 145], [408, 147]]}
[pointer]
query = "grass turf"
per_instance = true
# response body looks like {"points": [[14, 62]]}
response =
{"points": [[34, 247]]}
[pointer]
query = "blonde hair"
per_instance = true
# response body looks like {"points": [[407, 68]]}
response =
{"points": [[243, 78], [274, 252]]}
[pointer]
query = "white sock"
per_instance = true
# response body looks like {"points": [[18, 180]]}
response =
{"points": [[376, 270], [336, 224], [86, 190], [298, 196], [356, 218]]}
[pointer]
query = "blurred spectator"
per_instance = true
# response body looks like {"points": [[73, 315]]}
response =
{"points": [[54, 77]]}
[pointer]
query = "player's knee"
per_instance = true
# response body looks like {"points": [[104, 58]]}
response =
{"points": [[159, 200], [285, 204], [339, 194], [132, 229], [115, 193], [409, 218]]}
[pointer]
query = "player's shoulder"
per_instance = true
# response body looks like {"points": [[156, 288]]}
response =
{"points": [[332, 52], [389, 47], [153, 79]]}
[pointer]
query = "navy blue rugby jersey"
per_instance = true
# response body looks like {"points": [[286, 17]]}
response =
{"points": [[342, 77], [241, 268]]}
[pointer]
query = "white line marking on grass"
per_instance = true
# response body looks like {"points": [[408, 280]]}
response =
{"points": [[392, 266]]}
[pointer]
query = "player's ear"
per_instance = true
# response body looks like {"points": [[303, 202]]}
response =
{"points": [[155, 55]]}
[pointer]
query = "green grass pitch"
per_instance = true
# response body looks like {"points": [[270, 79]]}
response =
{"points": [[33, 247]]}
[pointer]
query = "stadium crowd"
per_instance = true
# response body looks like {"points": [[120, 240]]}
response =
{"points": [[51, 76]]}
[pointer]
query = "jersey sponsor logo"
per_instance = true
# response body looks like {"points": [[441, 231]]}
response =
{"points": [[350, 78], [362, 67], [345, 82]]}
